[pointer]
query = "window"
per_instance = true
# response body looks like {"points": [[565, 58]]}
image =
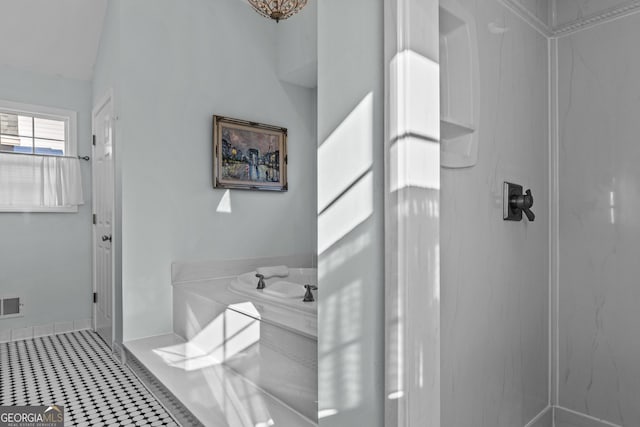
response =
{"points": [[29, 129], [39, 170]]}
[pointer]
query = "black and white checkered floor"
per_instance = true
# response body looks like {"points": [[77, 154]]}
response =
{"points": [[76, 370]]}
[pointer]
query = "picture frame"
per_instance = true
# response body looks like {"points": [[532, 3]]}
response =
{"points": [[249, 155]]}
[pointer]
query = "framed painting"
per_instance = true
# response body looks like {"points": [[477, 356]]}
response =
{"points": [[249, 155]]}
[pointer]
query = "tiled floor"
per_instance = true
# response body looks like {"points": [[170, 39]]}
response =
{"points": [[76, 370]]}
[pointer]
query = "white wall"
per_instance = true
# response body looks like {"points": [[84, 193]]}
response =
{"points": [[599, 223], [350, 219], [297, 47], [46, 257], [177, 67], [494, 273]]}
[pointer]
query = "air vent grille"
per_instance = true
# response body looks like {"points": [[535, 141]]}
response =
{"points": [[10, 307]]}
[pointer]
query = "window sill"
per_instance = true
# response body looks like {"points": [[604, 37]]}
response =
{"points": [[36, 209]]}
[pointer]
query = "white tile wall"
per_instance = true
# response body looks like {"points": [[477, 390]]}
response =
{"points": [[43, 330], [18, 334], [62, 327]]}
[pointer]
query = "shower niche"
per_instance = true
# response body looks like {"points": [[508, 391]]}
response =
{"points": [[459, 87]]}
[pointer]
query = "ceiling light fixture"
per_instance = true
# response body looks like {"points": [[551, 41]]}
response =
{"points": [[278, 9]]}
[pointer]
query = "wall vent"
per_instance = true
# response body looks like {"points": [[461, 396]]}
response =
{"points": [[10, 307]]}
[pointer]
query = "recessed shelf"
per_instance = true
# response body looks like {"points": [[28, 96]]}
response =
{"points": [[459, 88], [449, 22], [451, 130]]}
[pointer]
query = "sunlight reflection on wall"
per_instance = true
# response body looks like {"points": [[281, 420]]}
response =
{"points": [[413, 275], [345, 208]]}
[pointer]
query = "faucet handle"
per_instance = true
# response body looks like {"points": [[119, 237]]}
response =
{"points": [[260, 281], [526, 206], [308, 295]]}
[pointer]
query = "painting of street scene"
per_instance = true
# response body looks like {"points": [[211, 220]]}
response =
{"points": [[249, 155]]}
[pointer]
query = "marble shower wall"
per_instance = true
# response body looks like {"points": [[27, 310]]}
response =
{"points": [[494, 273], [599, 287]]}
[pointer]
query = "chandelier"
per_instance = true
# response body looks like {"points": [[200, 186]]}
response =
{"points": [[278, 9]]}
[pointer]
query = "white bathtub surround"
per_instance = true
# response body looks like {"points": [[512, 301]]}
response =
{"points": [[238, 355], [216, 395], [271, 345], [275, 271], [187, 271]]}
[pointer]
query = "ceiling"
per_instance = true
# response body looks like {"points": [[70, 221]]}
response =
{"points": [[55, 37]]}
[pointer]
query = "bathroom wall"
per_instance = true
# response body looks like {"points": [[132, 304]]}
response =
{"points": [[598, 109], [350, 213], [177, 67], [46, 257], [494, 273], [297, 45]]}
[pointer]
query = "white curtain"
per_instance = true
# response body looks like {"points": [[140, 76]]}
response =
{"points": [[32, 182]]}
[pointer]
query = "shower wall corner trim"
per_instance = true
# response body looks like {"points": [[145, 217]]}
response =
{"points": [[565, 29], [604, 16], [543, 419], [412, 202]]}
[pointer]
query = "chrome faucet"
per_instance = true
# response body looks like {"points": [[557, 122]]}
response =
{"points": [[260, 281]]}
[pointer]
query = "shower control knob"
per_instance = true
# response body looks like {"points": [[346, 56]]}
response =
{"points": [[106, 237]]}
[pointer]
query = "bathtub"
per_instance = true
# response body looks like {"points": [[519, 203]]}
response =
{"points": [[268, 336]]}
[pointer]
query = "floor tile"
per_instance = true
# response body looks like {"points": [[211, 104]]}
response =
{"points": [[76, 370]]}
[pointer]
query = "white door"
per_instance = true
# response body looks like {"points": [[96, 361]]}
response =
{"points": [[103, 184]]}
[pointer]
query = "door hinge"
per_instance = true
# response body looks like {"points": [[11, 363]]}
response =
{"points": [[95, 219], [95, 297], [94, 140]]}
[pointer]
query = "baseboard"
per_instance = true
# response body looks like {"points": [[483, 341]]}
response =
{"points": [[543, 419], [37, 331], [164, 396], [567, 418]]}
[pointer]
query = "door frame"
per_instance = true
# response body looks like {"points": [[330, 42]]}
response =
{"points": [[106, 98]]}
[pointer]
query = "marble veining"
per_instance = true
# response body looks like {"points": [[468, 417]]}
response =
{"points": [[599, 106], [494, 274]]}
